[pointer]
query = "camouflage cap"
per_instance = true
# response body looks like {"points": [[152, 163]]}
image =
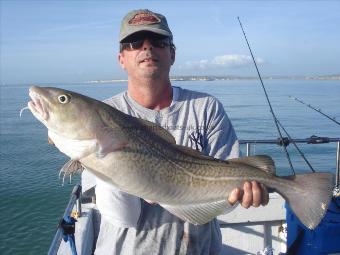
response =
{"points": [[143, 20]]}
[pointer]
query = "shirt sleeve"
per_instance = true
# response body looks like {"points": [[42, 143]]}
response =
{"points": [[221, 139]]}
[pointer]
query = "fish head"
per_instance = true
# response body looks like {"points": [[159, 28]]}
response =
{"points": [[72, 119], [64, 112]]}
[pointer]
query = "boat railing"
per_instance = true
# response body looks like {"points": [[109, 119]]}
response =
{"points": [[75, 198], [285, 141]]}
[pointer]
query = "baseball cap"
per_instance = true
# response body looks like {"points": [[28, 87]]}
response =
{"points": [[143, 20]]}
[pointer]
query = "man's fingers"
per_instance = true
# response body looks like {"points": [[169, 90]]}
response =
{"points": [[234, 196], [247, 200], [265, 195], [253, 194], [257, 194]]}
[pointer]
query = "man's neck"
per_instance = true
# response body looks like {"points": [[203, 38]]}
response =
{"points": [[151, 93]]}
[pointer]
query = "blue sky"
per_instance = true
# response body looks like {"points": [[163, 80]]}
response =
{"points": [[77, 41]]}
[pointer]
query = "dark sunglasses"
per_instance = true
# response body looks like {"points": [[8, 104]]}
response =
{"points": [[157, 43]]}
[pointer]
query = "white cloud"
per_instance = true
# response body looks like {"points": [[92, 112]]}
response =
{"points": [[200, 64], [230, 61]]}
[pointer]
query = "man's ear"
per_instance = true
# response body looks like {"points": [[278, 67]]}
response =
{"points": [[173, 55], [121, 60]]}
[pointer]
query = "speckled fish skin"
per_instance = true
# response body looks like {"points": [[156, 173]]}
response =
{"points": [[142, 159]]}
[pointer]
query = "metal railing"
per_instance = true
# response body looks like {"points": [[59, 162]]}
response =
{"points": [[311, 140], [74, 199]]}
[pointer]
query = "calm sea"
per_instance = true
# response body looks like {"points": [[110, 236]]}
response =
{"points": [[32, 199]]}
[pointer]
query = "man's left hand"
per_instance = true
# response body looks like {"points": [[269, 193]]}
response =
{"points": [[252, 194]]}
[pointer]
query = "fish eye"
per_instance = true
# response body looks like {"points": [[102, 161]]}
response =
{"points": [[64, 99]]}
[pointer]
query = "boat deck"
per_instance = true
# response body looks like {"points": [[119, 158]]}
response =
{"points": [[244, 231]]}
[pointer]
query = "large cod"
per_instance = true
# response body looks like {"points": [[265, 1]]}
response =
{"points": [[142, 159]]}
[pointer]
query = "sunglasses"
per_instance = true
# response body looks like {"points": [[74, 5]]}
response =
{"points": [[157, 43]]}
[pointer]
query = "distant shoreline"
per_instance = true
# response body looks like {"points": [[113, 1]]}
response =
{"points": [[189, 78], [227, 78]]}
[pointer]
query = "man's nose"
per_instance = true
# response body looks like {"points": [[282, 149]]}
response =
{"points": [[147, 45]]}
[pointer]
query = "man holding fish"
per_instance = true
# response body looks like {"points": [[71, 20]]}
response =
{"points": [[159, 154], [131, 225]]}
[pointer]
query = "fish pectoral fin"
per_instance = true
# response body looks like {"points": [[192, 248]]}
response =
{"points": [[107, 143], [262, 162], [199, 214], [71, 168], [103, 151]]}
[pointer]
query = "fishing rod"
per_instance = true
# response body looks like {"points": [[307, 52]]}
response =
{"points": [[268, 101], [296, 147], [276, 121], [315, 109]]}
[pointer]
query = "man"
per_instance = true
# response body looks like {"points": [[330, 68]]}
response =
{"points": [[130, 225]]}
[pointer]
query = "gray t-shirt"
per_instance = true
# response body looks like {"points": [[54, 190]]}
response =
{"points": [[130, 225]]}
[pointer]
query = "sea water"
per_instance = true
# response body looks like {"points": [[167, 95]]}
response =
{"points": [[32, 199]]}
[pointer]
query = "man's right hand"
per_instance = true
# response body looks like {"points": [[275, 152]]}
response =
{"points": [[253, 194]]}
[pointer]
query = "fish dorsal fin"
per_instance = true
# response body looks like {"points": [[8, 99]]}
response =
{"points": [[158, 130], [262, 162], [199, 213], [194, 153]]}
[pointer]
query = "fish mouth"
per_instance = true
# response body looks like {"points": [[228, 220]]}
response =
{"points": [[36, 106]]}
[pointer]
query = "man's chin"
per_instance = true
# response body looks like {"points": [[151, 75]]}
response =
{"points": [[151, 73]]}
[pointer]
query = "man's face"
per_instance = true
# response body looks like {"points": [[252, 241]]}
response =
{"points": [[146, 55]]}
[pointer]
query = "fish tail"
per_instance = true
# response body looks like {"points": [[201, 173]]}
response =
{"points": [[310, 196]]}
